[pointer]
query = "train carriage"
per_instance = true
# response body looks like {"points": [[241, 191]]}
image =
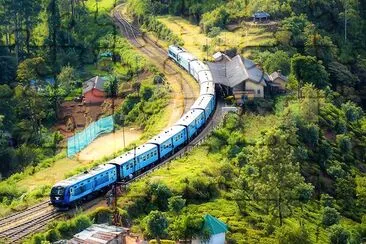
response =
{"points": [[76, 188], [135, 160], [169, 140], [197, 67], [192, 121], [206, 104]]}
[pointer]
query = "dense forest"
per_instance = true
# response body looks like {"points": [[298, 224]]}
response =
{"points": [[291, 168], [47, 50]]}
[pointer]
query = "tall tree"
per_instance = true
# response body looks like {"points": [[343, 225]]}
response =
{"points": [[54, 24], [273, 177], [156, 225]]}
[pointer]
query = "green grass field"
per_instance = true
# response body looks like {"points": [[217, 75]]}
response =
{"points": [[242, 37]]}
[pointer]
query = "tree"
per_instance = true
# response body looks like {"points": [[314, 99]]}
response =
{"points": [[278, 61], [272, 177], [330, 216], [176, 204], [32, 69], [361, 190], [159, 194], [293, 235], [8, 69], [187, 227], [67, 78], [307, 69], [338, 235], [156, 225]]}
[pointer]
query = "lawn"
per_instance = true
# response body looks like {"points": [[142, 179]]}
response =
{"points": [[242, 37]]}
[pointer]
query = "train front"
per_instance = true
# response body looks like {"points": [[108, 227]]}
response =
{"points": [[57, 196]]}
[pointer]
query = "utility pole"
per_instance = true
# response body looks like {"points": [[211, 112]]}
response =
{"points": [[206, 49]]}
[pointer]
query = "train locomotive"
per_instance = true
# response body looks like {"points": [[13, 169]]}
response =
{"points": [[81, 187]]}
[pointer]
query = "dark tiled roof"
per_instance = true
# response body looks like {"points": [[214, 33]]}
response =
{"points": [[96, 82], [237, 70]]}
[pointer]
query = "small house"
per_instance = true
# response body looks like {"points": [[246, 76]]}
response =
{"points": [[260, 16], [93, 90], [216, 228], [278, 81]]}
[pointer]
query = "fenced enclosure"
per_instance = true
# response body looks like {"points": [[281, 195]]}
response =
{"points": [[82, 139]]}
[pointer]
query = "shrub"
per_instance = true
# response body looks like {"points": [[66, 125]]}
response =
{"points": [[338, 235], [101, 215], [330, 216], [52, 235], [176, 203], [80, 223], [292, 235]]}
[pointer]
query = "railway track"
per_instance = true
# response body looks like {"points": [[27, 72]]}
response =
{"points": [[156, 53], [18, 225]]}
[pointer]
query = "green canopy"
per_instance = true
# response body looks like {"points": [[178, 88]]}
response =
{"points": [[214, 225]]}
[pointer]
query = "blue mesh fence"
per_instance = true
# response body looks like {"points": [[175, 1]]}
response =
{"points": [[82, 139]]}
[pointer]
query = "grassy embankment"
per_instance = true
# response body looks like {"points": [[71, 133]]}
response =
{"points": [[242, 37]]}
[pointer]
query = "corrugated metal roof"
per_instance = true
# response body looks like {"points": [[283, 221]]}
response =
{"points": [[96, 82], [100, 233], [261, 15]]}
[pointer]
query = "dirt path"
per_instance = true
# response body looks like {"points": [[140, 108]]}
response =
{"points": [[108, 144]]}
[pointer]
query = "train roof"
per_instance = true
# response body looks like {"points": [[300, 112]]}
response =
{"points": [[205, 76], [188, 117], [131, 154], [187, 56], [176, 49], [207, 88], [199, 65], [166, 134], [86, 175], [202, 102]]}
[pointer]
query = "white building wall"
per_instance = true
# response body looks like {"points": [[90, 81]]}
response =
{"points": [[215, 239]]}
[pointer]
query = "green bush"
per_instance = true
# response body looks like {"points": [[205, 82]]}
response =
{"points": [[164, 33], [338, 235], [101, 215], [330, 216], [292, 235]]}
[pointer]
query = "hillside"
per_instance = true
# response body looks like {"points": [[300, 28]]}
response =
{"points": [[289, 167]]}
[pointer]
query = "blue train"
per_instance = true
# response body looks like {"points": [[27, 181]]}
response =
{"points": [[128, 165]]}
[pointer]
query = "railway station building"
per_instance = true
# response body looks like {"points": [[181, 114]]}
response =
{"points": [[244, 79]]}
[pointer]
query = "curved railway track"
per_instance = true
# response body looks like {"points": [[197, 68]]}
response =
{"points": [[15, 227], [157, 54]]}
